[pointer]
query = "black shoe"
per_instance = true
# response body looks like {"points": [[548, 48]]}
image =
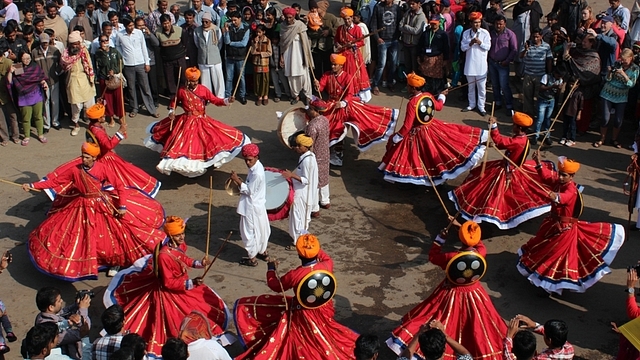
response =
{"points": [[482, 113], [243, 101], [466, 109], [548, 141], [57, 127], [497, 107], [533, 141], [46, 131], [293, 101]]}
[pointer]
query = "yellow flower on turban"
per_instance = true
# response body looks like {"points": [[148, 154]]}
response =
{"points": [[415, 80], [174, 225], [304, 140], [308, 246], [522, 119], [192, 73], [567, 165], [470, 233], [338, 59], [91, 149], [346, 12], [95, 112]]}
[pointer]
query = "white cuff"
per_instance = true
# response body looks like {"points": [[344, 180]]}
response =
{"points": [[226, 101], [443, 98], [397, 138], [343, 104], [189, 284], [494, 125], [120, 136], [440, 240]]}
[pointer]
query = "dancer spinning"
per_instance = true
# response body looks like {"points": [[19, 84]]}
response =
{"points": [[279, 327], [129, 174], [348, 41], [503, 194], [89, 227], [459, 302], [567, 253], [428, 151], [192, 142], [156, 292]]}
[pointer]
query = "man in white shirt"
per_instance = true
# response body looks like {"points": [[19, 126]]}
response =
{"points": [[200, 10], [10, 12], [208, 40], [133, 48], [254, 223], [476, 43], [107, 29], [616, 9], [65, 12], [101, 14]]}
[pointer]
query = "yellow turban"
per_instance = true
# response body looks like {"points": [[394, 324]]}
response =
{"points": [[567, 165], [304, 140], [415, 80], [346, 12], [476, 15], [470, 233], [522, 119], [338, 59], [192, 74], [308, 246], [174, 225], [91, 149], [95, 112]]}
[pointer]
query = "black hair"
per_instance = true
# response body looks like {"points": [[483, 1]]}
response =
{"points": [[190, 12], [107, 24], [499, 17], [38, 338], [49, 32], [135, 21], [165, 17], [48, 295], [124, 353], [552, 16], [37, 21], [9, 29], [89, 2], [80, 8], [13, 23], [524, 345], [234, 14], [111, 14], [28, 29], [27, 10], [135, 342], [60, 2], [271, 11], [113, 319], [367, 346], [261, 27], [51, 4], [41, 2], [556, 331], [3, 46], [126, 21], [79, 28], [175, 349], [432, 344], [461, 18], [535, 31], [296, 5]]}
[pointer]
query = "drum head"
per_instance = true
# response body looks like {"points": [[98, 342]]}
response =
{"points": [[292, 122], [277, 189], [316, 289], [466, 268]]}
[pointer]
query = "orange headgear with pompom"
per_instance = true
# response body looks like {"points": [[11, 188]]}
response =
{"points": [[95, 112], [521, 119], [174, 225], [567, 165], [308, 246], [346, 12], [415, 80], [470, 233], [192, 73], [91, 149]]}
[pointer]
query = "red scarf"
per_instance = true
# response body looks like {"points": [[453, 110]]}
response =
{"points": [[67, 61]]}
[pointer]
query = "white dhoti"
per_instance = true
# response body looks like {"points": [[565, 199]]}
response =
{"points": [[255, 232], [305, 195], [213, 79]]}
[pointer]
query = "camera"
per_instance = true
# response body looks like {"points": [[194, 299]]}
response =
{"points": [[81, 294], [600, 16], [635, 267], [616, 66], [528, 42]]}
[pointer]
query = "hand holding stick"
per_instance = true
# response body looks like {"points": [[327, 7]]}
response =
{"points": [[218, 253], [175, 100], [486, 151]]}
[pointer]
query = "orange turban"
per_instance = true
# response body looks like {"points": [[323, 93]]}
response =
{"points": [[338, 59], [567, 165], [346, 12], [174, 225], [470, 233], [522, 119], [308, 246], [192, 73], [415, 80], [95, 112], [91, 149], [476, 15]]}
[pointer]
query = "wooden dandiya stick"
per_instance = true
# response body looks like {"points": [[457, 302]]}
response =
{"points": [[175, 100], [434, 188], [463, 85], [284, 295], [209, 216], [486, 152], [453, 220], [16, 184], [218, 253], [244, 63], [123, 120], [573, 88], [522, 171]]}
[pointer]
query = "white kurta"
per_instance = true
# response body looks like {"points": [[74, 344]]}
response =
{"points": [[254, 223], [305, 193], [476, 56], [294, 59], [208, 349]]}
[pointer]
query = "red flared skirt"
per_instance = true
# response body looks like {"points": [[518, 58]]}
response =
{"points": [[505, 196], [570, 256], [468, 315], [268, 331], [113, 101], [81, 235], [438, 150], [356, 68], [156, 313], [130, 175], [370, 124]]}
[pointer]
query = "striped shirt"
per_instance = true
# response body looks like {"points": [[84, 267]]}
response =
{"points": [[535, 60]]}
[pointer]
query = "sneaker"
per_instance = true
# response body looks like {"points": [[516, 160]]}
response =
{"points": [[563, 141], [75, 131], [569, 143], [335, 160], [11, 336], [384, 83]]}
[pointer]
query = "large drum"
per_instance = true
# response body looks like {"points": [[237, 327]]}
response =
{"points": [[291, 124], [279, 193]]}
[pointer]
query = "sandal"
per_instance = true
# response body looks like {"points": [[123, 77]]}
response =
{"points": [[249, 262], [4, 143], [24, 142], [112, 123], [264, 256], [290, 248], [132, 114], [597, 144], [42, 139], [616, 144]]}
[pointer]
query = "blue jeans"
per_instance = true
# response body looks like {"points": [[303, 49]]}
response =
{"points": [[500, 82], [545, 108], [392, 47], [234, 67]]}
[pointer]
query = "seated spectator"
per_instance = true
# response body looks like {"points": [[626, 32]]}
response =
{"points": [[195, 331], [124, 353], [367, 347], [433, 340], [175, 349], [112, 321], [40, 343], [555, 337], [518, 345], [136, 343]]}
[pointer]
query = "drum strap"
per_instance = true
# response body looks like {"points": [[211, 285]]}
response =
{"points": [[301, 160]]}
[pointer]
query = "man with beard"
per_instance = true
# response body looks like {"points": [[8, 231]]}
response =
{"points": [[295, 57], [56, 23], [208, 42]]}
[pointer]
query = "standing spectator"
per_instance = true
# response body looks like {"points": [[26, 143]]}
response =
{"points": [[200, 10], [65, 12], [112, 322], [572, 115], [56, 23], [607, 44], [537, 60], [38, 25], [321, 39], [114, 19], [76, 63], [366, 48], [261, 52], [236, 39], [209, 41], [555, 334], [48, 58], [28, 35], [189, 27], [40, 12], [29, 87], [570, 14], [16, 45], [136, 66], [8, 113], [620, 78], [504, 49], [82, 20], [109, 66], [318, 130], [101, 15], [27, 14], [9, 12], [526, 17], [130, 10], [107, 30], [386, 15], [152, 45], [476, 43], [547, 31], [153, 19], [90, 7], [276, 70], [458, 55], [172, 50], [295, 55], [492, 13], [53, 41], [175, 10], [550, 85], [433, 60], [411, 28], [616, 9], [587, 21]]}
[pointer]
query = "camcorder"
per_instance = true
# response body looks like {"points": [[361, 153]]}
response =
{"points": [[616, 66], [81, 294]]}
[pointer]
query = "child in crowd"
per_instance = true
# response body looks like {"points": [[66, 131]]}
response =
{"points": [[261, 51], [276, 71], [549, 86], [572, 115]]}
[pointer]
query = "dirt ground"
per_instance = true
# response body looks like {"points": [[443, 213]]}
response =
{"points": [[377, 233]]}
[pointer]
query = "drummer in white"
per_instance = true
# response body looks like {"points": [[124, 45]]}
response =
{"points": [[305, 185], [254, 224]]}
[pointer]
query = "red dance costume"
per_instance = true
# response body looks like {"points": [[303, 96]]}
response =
{"points": [[466, 311], [504, 197], [439, 149], [567, 253], [196, 141], [154, 305], [130, 175], [354, 66], [81, 234], [268, 331], [371, 124]]}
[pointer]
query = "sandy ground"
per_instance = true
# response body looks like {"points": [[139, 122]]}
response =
{"points": [[378, 233]]}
